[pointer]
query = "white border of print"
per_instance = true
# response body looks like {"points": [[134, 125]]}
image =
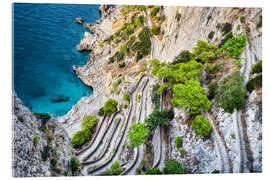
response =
{"points": [[6, 32]]}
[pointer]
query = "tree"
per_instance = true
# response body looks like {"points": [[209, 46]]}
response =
{"points": [[179, 73], [205, 51], [79, 138], [155, 30], [159, 117], [202, 126], [74, 164], [257, 68], [138, 134], [89, 122], [115, 168], [153, 171], [110, 106], [231, 93], [191, 97], [156, 65], [173, 167], [183, 57], [178, 142]]}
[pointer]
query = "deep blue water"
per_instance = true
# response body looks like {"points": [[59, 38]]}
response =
{"points": [[44, 49]]}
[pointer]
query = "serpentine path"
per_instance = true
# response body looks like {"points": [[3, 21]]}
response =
{"points": [[112, 144]]}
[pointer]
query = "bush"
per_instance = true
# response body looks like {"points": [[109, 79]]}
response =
{"points": [[138, 134], [155, 97], [226, 28], [212, 91], [191, 97], [233, 46], [141, 8], [126, 97], [74, 164], [153, 171], [231, 93], [242, 19], [178, 142], [101, 112], [53, 163], [173, 167], [216, 171], [122, 65], [144, 46], [115, 168], [89, 123], [43, 116], [154, 12], [211, 35], [255, 82], [183, 57], [36, 140], [123, 49], [159, 117], [155, 30], [178, 16], [205, 51], [110, 106], [238, 27], [100, 44], [202, 126], [259, 25], [257, 68], [45, 153], [156, 65], [79, 138], [225, 39]]}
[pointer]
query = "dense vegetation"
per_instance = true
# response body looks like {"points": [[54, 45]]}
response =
{"points": [[257, 68], [74, 165], [126, 97], [155, 96], [138, 134], [110, 106], [230, 93], [88, 125], [253, 83], [183, 57], [205, 51], [191, 97], [115, 168], [153, 171], [173, 167], [202, 126], [156, 65], [159, 117]]}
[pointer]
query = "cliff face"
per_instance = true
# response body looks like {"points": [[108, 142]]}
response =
{"points": [[29, 156]]}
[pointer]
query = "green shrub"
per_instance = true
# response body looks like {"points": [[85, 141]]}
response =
{"points": [[155, 30], [144, 46], [212, 91], [123, 49], [42, 116], [255, 82], [202, 126], [191, 97], [183, 57], [173, 167], [216, 171], [259, 25], [115, 168], [178, 142], [74, 164], [36, 140], [233, 136], [242, 19], [126, 97], [89, 122], [138, 134], [110, 106], [154, 12], [100, 44], [178, 16], [79, 138], [248, 29], [101, 112], [238, 27], [122, 65], [233, 46], [138, 171], [205, 51], [231, 93], [45, 153], [155, 96], [225, 39], [141, 8], [257, 68], [211, 35], [153, 171], [119, 56], [159, 117], [53, 163], [226, 28], [156, 65]]}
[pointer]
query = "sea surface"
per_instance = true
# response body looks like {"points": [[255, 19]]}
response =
{"points": [[45, 37]]}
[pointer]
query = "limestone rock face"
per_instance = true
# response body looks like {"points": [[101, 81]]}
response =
{"points": [[26, 156]]}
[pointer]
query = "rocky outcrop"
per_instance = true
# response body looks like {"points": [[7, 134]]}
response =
{"points": [[28, 153]]}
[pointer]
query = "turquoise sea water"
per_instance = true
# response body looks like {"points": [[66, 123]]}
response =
{"points": [[44, 49]]}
